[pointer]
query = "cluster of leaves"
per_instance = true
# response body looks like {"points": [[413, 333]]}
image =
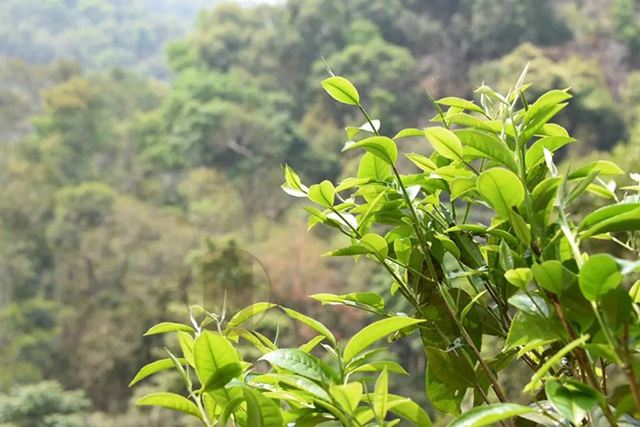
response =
{"points": [[350, 389], [522, 278]]}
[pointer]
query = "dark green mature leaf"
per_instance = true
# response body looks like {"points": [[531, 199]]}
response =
{"points": [[312, 323], [171, 401], [153, 367], [374, 332], [223, 376], [442, 396], [341, 90], [261, 411], [380, 146], [525, 329], [490, 414], [599, 275], [445, 142], [453, 369], [298, 362], [549, 275], [572, 400], [489, 146], [211, 352]]}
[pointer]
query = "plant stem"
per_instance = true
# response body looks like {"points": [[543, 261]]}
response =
{"points": [[628, 368]]}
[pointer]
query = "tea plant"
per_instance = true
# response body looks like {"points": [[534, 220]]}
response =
{"points": [[523, 277], [223, 389]]}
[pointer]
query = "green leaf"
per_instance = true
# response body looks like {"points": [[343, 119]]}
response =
{"points": [[249, 312], [262, 411], [549, 275], [311, 344], [519, 277], [372, 167], [293, 186], [460, 103], [442, 396], [502, 189], [356, 299], [211, 352], [602, 167], [375, 244], [622, 217], [295, 381], [445, 142], [223, 376], [380, 146], [171, 401], [153, 367], [462, 185], [572, 401], [530, 303], [381, 394], [404, 133], [422, 162], [232, 406], [525, 329], [342, 90], [347, 396], [487, 145], [298, 362], [490, 414], [541, 111], [375, 331], [535, 153], [391, 367], [323, 194], [165, 327], [186, 345], [409, 410], [453, 369], [556, 358], [599, 275], [634, 292], [312, 323], [353, 131]]}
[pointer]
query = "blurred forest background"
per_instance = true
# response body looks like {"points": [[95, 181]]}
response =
{"points": [[138, 135]]}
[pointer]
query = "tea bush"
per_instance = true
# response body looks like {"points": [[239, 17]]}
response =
{"points": [[522, 277]]}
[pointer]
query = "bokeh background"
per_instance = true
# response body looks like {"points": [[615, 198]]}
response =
{"points": [[141, 144]]}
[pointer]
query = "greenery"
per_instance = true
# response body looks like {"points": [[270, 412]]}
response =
{"points": [[141, 152], [523, 279]]}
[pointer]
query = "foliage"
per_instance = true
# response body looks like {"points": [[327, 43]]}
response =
{"points": [[43, 404], [297, 386], [522, 277]]}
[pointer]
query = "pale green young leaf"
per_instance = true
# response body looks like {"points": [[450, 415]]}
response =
{"points": [[298, 362], [391, 367], [380, 146], [502, 189], [405, 133], [519, 277], [487, 145], [424, 163], [556, 358], [375, 244], [312, 323], [375, 331], [153, 367], [372, 167], [445, 142], [602, 167], [347, 396], [171, 401], [212, 351], [296, 381], [490, 414], [463, 104], [381, 394], [165, 327], [323, 194], [572, 401], [249, 312], [342, 90], [261, 411]]}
